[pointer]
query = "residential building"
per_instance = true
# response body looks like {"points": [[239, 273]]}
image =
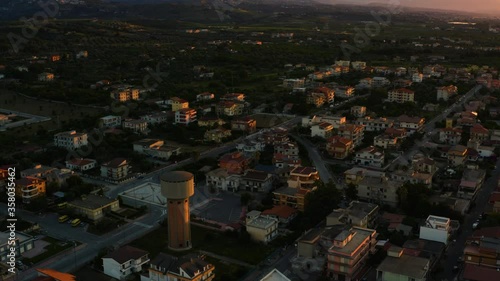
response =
{"points": [[293, 83], [178, 103], [286, 161], [125, 94], [322, 130], [229, 108], [328, 94], [205, 96], [46, 77], [339, 147], [457, 155], [275, 136], [474, 272], [94, 207], [125, 261], [247, 124], [23, 243], [436, 229], [365, 83], [238, 97], [336, 121], [110, 121], [303, 177], [472, 180], [402, 83], [207, 121], [191, 267], [115, 169], [358, 111], [261, 229], [251, 146], [379, 82], [479, 133], [38, 171], [344, 91], [138, 126], [287, 148], [400, 266], [349, 252], [424, 164], [370, 156], [70, 140], [399, 133], [444, 93], [353, 132], [222, 180], [185, 116], [358, 213], [290, 196], [401, 95], [374, 125], [81, 164], [411, 124], [256, 181], [385, 141], [417, 77], [494, 200], [484, 252], [156, 148], [28, 188], [358, 65], [316, 99], [155, 118], [379, 189], [217, 135], [284, 214], [235, 162], [450, 135]]}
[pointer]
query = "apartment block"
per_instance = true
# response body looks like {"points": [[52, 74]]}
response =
{"points": [[70, 140]]}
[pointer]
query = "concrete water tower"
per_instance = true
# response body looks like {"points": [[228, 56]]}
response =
{"points": [[177, 187]]}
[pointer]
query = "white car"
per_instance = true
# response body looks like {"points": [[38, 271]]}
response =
{"points": [[475, 225]]}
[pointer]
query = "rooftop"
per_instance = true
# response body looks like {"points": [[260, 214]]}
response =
{"points": [[360, 235], [413, 267], [480, 273], [125, 254], [262, 222]]}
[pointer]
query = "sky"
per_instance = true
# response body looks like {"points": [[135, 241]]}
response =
{"points": [[488, 6]]}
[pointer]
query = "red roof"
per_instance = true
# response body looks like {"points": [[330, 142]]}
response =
{"points": [[479, 129], [480, 273], [404, 90], [494, 197], [58, 276], [492, 232], [281, 211]]}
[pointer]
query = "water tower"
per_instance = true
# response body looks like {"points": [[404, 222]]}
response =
{"points": [[177, 187]]}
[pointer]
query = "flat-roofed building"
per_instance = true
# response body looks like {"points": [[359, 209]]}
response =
{"points": [[70, 140], [261, 229], [399, 266], [94, 207]]}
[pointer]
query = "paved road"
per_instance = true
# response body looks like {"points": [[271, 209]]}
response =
{"points": [[324, 173], [430, 125], [85, 253], [456, 250]]}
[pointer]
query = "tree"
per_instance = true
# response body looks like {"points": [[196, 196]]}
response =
{"points": [[351, 192], [245, 198], [52, 187], [321, 202]]}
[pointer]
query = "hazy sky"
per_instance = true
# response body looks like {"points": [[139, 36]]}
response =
{"points": [[464, 5]]}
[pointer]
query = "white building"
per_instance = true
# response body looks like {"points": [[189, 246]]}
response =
{"points": [[221, 180], [336, 121], [444, 93], [70, 140], [436, 229], [124, 261], [417, 77], [370, 156], [110, 121], [81, 164], [323, 130], [261, 229], [155, 118], [185, 116], [138, 126], [251, 146]]}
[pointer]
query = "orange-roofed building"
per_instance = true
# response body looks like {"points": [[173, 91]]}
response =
{"points": [[284, 214], [56, 275], [234, 163], [479, 133], [339, 147], [28, 188]]}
